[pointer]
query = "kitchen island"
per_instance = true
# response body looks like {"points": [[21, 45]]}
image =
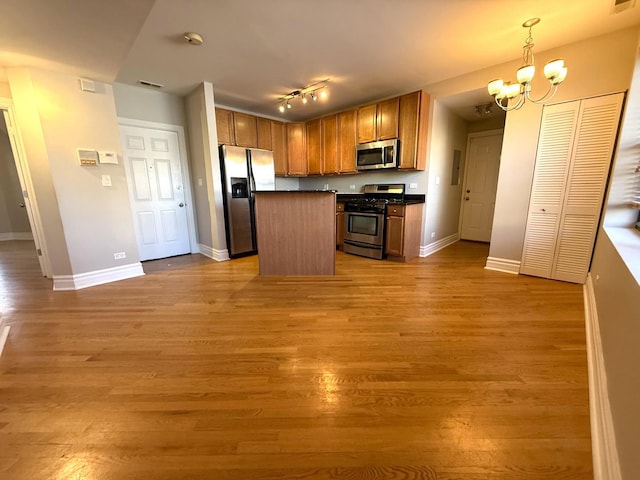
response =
{"points": [[296, 232]]}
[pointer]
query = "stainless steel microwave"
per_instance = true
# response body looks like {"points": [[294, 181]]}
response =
{"points": [[373, 155]]}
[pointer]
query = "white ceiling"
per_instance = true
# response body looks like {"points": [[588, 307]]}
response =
{"points": [[256, 51]]}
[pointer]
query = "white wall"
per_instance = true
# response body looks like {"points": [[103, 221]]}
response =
{"points": [[140, 103], [205, 169], [85, 222], [617, 291], [448, 133], [612, 57]]}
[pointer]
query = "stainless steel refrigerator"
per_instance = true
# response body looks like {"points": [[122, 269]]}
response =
{"points": [[244, 170]]}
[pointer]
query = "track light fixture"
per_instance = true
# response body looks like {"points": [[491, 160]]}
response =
{"points": [[311, 91]]}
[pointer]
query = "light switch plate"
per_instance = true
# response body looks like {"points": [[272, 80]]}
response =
{"points": [[106, 180]]}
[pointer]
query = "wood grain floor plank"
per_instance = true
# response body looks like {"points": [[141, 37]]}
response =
{"points": [[435, 369]]}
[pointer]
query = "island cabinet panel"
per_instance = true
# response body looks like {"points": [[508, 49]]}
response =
{"points": [[314, 147], [340, 225], [245, 129], [296, 149], [387, 119], [413, 126], [279, 145], [224, 127], [403, 231], [329, 134], [296, 232], [265, 141], [347, 126], [367, 123]]}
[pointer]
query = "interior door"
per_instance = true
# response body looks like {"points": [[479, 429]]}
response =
{"points": [[483, 163], [156, 189]]}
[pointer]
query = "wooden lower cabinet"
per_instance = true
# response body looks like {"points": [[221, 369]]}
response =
{"points": [[339, 225], [403, 231]]}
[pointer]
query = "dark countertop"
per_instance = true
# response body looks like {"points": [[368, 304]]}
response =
{"points": [[409, 199], [296, 191]]}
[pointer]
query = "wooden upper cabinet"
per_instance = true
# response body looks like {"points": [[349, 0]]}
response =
{"points": [[329, 129], [265, 141], [378, 121], [224, 127], [246, 130], [367, 123], [314, 147], [413, 130], [296, 149], [387, 119], [279, 145], [347, 126]]}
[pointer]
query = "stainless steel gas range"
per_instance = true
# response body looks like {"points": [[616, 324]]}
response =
{"points": [[365, 219]]}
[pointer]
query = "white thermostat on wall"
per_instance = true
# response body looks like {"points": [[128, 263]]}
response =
{"points": [[108, 157], [87, 158]]}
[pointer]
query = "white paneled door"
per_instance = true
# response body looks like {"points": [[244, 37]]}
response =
{"points": [[156, 189], [483, 163]]}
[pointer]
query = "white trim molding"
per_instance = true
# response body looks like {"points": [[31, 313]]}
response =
{"points": [[426, 250], [99, 277], [606, 465], [5, 237], [4, 334], [217, 255], [503, 265]]}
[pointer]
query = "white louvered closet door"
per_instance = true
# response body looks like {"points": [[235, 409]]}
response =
{"points": [[561, 233]]}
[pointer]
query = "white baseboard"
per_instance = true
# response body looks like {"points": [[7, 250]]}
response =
{"points": [[218, 255], [4, 237], [606, 465], [426, 250], [99, 277], [503, 265], [4, 334]]}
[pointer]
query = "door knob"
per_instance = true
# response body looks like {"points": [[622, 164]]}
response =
{"points": [[21, 205], [181, 204], [468, 191]]}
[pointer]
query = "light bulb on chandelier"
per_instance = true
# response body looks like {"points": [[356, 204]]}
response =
{"points": [[554, 71]]}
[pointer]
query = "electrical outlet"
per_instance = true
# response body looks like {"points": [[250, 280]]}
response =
{"points": [[326, 186], [119, 255], [413, 185], [433, 234], [352, 187]]}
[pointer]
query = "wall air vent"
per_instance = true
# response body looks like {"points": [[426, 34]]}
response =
{"points": [[618, 6], [157, 85]]}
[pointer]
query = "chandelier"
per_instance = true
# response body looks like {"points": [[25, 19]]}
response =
{"points": [[312, 91], [555, 71]]}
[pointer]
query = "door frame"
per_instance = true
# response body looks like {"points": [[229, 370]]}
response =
{"points": [[485, 133], [184, 170], [26, 185]]}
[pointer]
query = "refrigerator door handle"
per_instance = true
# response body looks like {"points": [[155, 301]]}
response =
{"points": [[252, 180]]}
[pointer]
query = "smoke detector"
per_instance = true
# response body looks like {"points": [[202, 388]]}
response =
{"points": [[193, 38]]}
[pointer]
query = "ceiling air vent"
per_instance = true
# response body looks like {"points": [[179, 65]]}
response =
{"points": [[157, 85], [618, 6]]}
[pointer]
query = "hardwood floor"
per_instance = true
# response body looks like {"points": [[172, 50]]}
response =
{"points": [[435, 369]]}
